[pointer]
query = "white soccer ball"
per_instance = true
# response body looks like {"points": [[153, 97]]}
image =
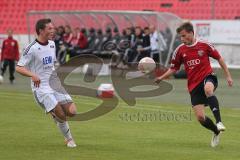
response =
{"points": [[146, 65], [1, 79]]}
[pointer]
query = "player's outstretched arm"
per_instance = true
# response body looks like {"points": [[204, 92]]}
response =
{"points": [[226, 71], [25, 72], [165, 75]]}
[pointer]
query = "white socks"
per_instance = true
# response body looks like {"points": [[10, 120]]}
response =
{"points": [[65, 130], [63, 127]]}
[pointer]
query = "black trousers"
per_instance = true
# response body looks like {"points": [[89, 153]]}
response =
{"points": [[11, 64]]}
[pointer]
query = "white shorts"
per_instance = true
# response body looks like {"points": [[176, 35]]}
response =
{"points": [[48, 101]]}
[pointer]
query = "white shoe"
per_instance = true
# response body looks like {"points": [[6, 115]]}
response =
{"points": [[70, 143], [215, 140], [220, 126]]}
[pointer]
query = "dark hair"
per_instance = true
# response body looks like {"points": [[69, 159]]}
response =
{"points": [[108, 30], [41, 24], [146, 28], [99, 31], [83, 30], [138, 27], [91, 30], [115, 30], [187, 26]]}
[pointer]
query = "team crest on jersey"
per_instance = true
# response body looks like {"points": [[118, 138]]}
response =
{"points": [[52, 46], [200, 53]]}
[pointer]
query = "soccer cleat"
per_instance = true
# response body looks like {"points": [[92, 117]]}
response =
{"points": [[220, 126], [215, 139], [70, 143]]}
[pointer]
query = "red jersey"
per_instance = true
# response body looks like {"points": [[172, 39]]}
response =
{"points": [[67, 38], [83, 42], [10, 49], [74, 41], [196, 61]]}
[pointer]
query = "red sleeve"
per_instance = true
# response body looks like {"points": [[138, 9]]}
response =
{"points": [[3, 48], [17, 51], [213, 52], [176, 60]]}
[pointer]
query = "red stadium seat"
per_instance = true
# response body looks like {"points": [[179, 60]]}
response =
{"points": [[14, 12]]}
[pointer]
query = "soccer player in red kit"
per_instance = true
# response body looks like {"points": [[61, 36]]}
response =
{"points": [[202, 82], [10, 54]]}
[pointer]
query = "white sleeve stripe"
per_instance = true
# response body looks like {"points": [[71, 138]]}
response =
{"points": [[209, 44], [28, 48], [175, 52]]}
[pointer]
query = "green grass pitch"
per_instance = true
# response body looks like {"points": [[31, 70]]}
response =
{"points": [[26, 132]]}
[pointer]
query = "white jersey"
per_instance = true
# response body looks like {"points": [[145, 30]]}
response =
{"points": [[157, 42], [39, 59]]}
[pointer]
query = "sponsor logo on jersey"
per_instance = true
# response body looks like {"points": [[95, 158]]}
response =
{"points": [[193, 62], [52, 46], [47, 60]]}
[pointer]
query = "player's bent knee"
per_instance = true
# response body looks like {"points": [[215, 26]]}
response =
{"points": [[209, 89], [200, 118], [72, 110], [209, 92]]}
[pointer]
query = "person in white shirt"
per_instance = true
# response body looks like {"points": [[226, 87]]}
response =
{"points": [[37, 62], [157, 43]]}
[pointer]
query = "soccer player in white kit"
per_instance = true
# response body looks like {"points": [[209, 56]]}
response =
{"points": [[37, 62]]}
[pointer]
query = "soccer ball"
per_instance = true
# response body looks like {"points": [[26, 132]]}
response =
{"points": [[146, 65], [1, 79]]}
